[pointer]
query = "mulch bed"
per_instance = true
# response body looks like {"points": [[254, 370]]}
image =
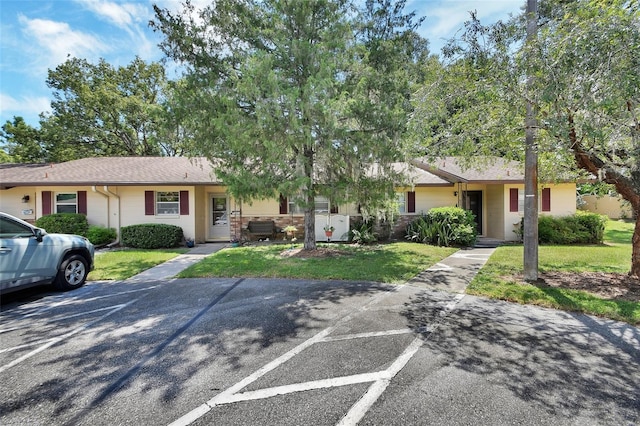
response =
{"points": [[605, 285]]}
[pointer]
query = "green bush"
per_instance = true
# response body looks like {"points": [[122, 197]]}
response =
{"points": [[64, 223], [100, 236], [151, 236], [581, 228], [444, 226], [362, 233]]}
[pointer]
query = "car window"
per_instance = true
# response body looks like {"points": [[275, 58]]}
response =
{"points": [[11, 229]]}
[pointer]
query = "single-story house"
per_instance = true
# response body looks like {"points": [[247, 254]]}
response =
{"points": [[120, 191]]}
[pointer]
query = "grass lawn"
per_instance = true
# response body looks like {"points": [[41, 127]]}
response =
{"points": [[389, 263], [498, 279], [123, 264]]}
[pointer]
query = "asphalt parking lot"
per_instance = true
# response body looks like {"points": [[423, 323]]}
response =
{"points": [[291, 352]]}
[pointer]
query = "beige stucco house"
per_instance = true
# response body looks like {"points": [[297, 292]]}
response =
{"points": [[120, 191]]}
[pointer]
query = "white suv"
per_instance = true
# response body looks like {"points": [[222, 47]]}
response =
{"points": [[29, 256]]}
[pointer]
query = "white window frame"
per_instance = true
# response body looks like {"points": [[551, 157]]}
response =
{"points": [[401, 200], [165, 205], [321, 204], [521, 200], [66, 202]]}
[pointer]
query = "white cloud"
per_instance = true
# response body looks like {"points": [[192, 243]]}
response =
{"points": [[445, 17], [54, 41], [26, 105], [132, 18], [122, 15]]}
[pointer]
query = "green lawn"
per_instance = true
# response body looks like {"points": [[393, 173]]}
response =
{"points": [[389, 263], [498, 279], [399, 262], [123, 264]]}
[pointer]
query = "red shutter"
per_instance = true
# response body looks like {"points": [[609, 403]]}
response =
{"points": [[284, 204], [46, 202], [184, 202], [411, 202], [513, 199], [546, 199], [149, 203], [82, 202]]}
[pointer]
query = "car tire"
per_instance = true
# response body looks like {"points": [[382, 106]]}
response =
{"points": [[73, 272]]}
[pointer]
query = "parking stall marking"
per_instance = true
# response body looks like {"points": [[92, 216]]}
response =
{"points": [[76, 300], [380, 379], [55, 340]]}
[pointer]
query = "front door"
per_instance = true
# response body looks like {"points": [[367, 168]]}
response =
{"points": [[219, 225], [473, 201]]}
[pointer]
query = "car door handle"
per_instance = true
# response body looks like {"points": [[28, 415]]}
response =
{"points": [[5, 249]]}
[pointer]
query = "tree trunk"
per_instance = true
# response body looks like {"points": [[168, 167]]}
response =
{"points": [[635, 253], [310, 228], [624, 186]]}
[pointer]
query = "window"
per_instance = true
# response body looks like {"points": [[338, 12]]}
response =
{"points": [[401, 200], [406, 202], [66, 202], [12, 229], [520, 200], [167, 203], [321, 206], [516, 200]]}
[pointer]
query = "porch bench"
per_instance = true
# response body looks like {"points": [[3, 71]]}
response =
{"points": [[260, 229]]}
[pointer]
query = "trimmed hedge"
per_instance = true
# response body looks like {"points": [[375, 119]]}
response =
{"points": [[100, 236], [444, 226], [581, 228], [64, 223], [151, 236]]}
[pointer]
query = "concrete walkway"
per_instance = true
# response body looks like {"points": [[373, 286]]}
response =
{"points": [[171, 268], [452, 274], [455, 272]]}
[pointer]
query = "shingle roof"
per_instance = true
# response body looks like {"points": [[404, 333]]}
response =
{"points": [[420, 177], [484, 170], [111, 171], [198, 171], [141, 171]]}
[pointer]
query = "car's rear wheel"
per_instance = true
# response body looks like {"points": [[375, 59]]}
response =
{"points": [[73, 272]]}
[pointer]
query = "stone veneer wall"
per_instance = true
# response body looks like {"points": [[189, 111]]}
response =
{"points": [[397, 229], [280, 221]]}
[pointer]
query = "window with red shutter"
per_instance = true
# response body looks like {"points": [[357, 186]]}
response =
{"points": [[513, 199], [284, 203], [411, 202], [82, 202], [47, 198], [546, 199], [184, 202], [149, 203]]}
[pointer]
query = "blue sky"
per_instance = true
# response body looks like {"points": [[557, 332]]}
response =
{"points": [[37, 35]]}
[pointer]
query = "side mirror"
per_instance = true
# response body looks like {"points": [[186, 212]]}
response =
{"points": [[38, 234]]}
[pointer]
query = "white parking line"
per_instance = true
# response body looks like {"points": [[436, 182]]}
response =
{"points": [[38, 342], [63, 337], [370, 334], [364, 404], [360, 408], [380, 379]]}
